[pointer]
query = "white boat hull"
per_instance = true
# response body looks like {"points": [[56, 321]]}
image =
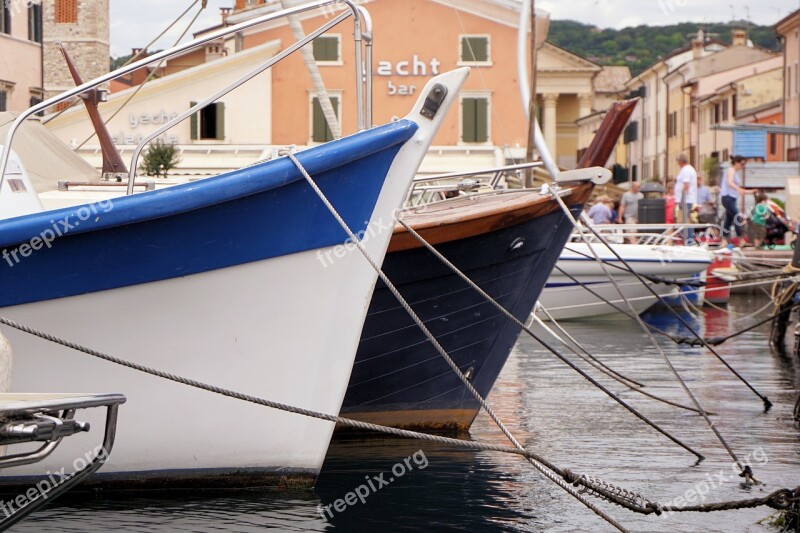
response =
{"points": [[284, 328], [566, 299], [273, 329]]}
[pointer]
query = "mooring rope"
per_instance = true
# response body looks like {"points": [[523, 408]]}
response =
{"points": [[633, 385], [779, 499], [714, 341], [764, 399], [579, 349], [746, 470]]}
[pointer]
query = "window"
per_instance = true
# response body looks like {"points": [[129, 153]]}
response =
{"points": [[35, 23], [634, 176], [733, 106], [327, 49], [320, 130], [725, 110], [715, 116], [5, 20], [36, 99], [474, 50], [3, 100], [631, 133], [672, 124], [66, 11], [209, 122], [773, 143], [725, 154], [475, 119]]}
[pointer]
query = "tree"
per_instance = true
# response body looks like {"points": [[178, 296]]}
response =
{"points": [[159, 159]]}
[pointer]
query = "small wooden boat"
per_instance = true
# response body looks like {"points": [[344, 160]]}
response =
{"points": [[507, 242]]}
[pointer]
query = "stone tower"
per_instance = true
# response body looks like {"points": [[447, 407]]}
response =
{"points": [[82, 27]]}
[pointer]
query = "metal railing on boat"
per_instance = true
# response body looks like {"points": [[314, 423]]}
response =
{"points": [[430, 189], [653, 234], [362, 33]]}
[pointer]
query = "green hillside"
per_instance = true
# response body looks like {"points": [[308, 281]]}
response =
{"points": [[639, 47]]}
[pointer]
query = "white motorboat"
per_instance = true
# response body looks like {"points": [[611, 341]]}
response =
{"points": [[586, 294]]}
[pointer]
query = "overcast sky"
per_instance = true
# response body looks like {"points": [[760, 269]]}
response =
{"points": [[134, 24]]}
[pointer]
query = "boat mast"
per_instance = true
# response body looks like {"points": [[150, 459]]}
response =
{"points": [[529, 157], [525, 92]]}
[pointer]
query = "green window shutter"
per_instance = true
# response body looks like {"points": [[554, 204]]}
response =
{"points": [[481, 120], [332, 48], [474, 49], [326, 48], [468, 108], [321, 132], [318, 123], [475, 120], [194, 123], [220, 116]]}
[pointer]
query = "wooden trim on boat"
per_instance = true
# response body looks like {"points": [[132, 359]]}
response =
{"points": [[474, 215]]}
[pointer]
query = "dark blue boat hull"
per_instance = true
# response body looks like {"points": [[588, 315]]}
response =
{"points": [[399, 378]]}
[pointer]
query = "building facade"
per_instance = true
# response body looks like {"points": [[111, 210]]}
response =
{"points": [[82, 28], [687, 82], [788, 30], [21, 83], [31, 33], [416, 39]]}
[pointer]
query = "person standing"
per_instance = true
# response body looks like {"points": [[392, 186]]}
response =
{"points": [[629, 208], [685, 189], [629, 205], [729, 190], [600, 213]]}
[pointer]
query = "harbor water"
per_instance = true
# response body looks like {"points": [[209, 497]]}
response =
{"points": [[411, 485]]}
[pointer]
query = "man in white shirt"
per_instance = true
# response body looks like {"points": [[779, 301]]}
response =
{"points": [[685, 187]]}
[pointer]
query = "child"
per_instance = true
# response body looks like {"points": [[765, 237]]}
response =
{"points": [[760, 214]]}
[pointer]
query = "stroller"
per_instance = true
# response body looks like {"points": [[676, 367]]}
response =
{"points": [[777, 225]]}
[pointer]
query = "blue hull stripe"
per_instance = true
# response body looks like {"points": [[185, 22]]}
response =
{"points": [[251, 214]]}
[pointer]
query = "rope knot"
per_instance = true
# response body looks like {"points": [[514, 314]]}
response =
{"points": [[571, 477], [782, 499]]}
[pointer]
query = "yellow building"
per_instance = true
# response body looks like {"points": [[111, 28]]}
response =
{"points": [[683, 84]]}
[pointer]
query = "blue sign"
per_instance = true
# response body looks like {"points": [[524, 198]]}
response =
{"points": [[750, 143]]}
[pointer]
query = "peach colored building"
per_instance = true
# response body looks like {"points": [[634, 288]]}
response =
{"points": [[414, 40], [21, 83]]}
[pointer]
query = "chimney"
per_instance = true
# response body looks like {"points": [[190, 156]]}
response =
{"points": [[699, 45], [224, 12], [739, 37]]}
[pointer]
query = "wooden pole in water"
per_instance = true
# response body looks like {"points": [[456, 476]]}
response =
{"points": [[532, 102]]}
